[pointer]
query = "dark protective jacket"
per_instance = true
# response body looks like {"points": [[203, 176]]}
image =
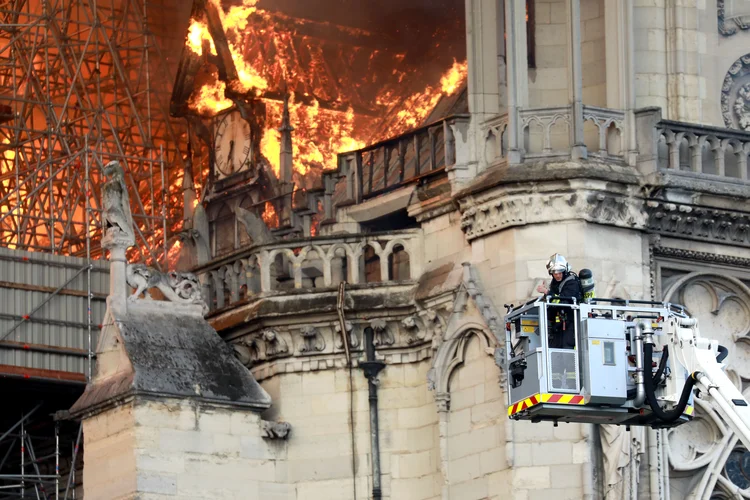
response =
{"points": [[571, 287], [562, 331]]}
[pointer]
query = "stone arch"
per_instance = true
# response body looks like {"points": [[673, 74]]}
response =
{"points": [[452, 353], [399, 263], [470, 405]]}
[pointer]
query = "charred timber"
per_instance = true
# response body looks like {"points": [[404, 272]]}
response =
{"points": [[227, 70], [190, 63]]}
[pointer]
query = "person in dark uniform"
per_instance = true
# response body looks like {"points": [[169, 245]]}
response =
{"points": [[564, 284]]}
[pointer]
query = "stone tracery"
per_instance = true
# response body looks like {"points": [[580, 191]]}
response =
{"points": [[704, 454]]}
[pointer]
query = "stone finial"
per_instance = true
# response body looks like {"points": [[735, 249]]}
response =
{"points": [[286, 154], [188, 191]]}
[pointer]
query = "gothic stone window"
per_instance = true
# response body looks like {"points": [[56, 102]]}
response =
{"points": [[530, 29], [530, 33]]}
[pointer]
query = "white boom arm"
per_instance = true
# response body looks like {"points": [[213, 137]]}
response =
{"points": [[698, 356]]}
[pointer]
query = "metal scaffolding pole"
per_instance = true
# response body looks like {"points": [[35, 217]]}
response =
{"points": [[85, 81], [82, 83]]}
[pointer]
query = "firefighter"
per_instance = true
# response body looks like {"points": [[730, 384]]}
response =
{"points": [[566, 285]]}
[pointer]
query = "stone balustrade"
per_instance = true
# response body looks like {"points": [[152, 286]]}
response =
{"points": [[317, 263], [546, 134], [670, 146]]}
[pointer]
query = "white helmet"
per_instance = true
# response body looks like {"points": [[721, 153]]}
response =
{"points": [[557, 264]]}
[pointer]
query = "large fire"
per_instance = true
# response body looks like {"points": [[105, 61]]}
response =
{"points": [[268, 62]]}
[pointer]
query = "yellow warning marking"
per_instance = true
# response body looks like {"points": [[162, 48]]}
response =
{"points": [[528, 329], [595, 342]]}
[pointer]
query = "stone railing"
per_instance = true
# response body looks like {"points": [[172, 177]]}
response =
{"points": [[495, 132], [319, 263], [387, 165], [545, 133], [667, 145]]}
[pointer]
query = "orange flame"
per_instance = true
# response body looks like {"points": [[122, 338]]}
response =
{"points": [[269, 215], [320, 132]]}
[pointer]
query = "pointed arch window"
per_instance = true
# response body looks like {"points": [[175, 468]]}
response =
{"points": [[530, 29]]}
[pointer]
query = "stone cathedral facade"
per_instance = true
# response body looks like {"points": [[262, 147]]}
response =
{"points": [[622, 144]]}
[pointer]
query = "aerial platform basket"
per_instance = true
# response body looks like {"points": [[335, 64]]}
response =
{"points": [[600, 379]]}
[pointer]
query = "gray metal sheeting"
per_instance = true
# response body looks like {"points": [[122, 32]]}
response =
{"points": [[62, 321]]}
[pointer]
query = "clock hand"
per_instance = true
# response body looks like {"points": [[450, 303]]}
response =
{"points": [[230, 156]]}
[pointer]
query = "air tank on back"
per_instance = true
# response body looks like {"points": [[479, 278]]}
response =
{"points": [[587, 284]]}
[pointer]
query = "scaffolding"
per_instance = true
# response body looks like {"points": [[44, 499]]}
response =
{"points": [[82, 83], [85, 82]]}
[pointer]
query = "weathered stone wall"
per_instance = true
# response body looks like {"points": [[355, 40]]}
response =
{"points": [[182, 450], [548, 83], [476, 440], [319, 449], [109, 441], [593, 51]]}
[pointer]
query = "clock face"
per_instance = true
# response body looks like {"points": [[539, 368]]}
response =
{"points": [[232, 144]]}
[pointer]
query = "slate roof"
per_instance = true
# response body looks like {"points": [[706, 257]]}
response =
{"points": [[175, 355]]}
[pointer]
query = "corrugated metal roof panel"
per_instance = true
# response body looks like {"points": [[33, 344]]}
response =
{"points": [[39, 339]]}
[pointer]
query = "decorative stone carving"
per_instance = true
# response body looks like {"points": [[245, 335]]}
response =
{"points": [[679, 253], [735, 95], [729, 19], [262, 346], [413, 332], [621, 453], [175, 286], [518, 210], [275, 430], [383, 336], [247, 351], [312, 340], [275, 345], [353, 340], [434, 326], [698, 223], [702, 451], [117, 221], [442, 401]]}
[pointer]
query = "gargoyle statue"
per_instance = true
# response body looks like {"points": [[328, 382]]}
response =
{"points": [[177, 287], [116, 218], [276, 430]]}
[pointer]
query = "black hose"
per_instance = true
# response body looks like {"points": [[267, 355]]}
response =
{"points": [[662, 364], [723, 353], [672, 415]]}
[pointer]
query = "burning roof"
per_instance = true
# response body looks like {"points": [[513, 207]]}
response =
{"points": [[348, 86]]}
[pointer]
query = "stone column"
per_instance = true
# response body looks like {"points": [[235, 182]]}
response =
{"points": [[517, 75], [482, 50], [618, 22], [575, 80]]}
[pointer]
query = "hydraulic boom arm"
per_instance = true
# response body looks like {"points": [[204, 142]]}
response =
{"points": [[702, 359]]}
